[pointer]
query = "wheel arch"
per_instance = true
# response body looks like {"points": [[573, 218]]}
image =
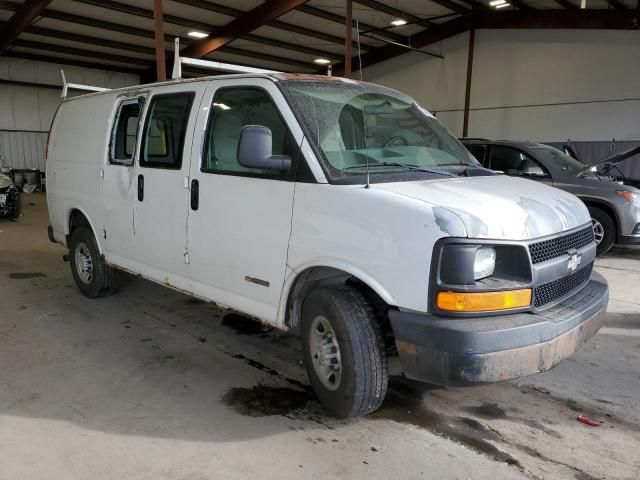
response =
{"points": [[77, 217], [607, 208], [302, 280]]}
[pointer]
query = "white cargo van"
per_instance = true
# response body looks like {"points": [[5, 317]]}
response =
{"points": [[338, 210]]}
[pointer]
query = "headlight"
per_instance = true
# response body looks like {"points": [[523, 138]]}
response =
{"points": [[629, 196], [485, 263]]}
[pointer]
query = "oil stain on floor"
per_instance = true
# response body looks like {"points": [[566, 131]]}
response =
{"points": [[404, 405], [263, 400], [26, 275], [494, 412]]}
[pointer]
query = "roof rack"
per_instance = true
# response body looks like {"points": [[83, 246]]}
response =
{"points": [[78, 86], [178, 61]]}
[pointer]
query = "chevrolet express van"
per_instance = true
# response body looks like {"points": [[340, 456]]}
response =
{"points": [[338, 210]]}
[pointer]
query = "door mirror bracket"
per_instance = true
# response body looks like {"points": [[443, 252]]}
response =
{"points": [[255, 150]]}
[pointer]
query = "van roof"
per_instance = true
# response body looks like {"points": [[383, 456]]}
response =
{"points": [[274, 77]]}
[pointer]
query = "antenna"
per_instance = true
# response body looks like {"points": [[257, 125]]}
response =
{"points": [[364, 118]]}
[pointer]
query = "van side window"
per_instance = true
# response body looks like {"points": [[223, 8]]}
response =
{"points": [[164, 130], [125, 130], [232, 109]]}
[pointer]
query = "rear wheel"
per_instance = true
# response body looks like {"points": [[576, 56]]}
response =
{"points": [[604, 230], [93, 277], [343, 351]]}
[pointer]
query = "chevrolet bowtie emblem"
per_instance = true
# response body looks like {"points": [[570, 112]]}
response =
{"points": [[574, 261]]}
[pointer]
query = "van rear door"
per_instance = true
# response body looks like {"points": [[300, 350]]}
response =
{"points": [[162, 195]]}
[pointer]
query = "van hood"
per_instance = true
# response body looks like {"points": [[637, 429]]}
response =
{"points": [[496, 207]]}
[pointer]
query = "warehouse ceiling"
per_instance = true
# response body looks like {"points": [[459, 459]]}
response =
{"points": [[288, 35]]}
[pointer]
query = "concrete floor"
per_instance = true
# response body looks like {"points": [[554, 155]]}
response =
{"points": [[150, 384]]}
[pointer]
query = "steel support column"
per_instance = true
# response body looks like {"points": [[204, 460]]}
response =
{"points": [[161, 65], [467, 93], [348, 39]]}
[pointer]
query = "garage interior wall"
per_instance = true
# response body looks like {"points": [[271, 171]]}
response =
{"points": [[29, 96], [538, 85]]}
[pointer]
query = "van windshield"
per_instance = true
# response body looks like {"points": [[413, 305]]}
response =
{"points": [[358, 127]]}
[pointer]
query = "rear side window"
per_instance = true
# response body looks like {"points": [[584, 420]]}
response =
{"points": [[164, 130], [232, 109], [125, 130]]}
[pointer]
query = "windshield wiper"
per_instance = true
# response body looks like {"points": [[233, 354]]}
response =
{"points": [[459, 164], [408, 166]]}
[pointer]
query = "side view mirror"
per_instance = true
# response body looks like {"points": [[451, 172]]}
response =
{"points": [[255, 147]]}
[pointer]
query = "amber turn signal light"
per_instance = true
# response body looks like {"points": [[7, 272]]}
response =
{"points": [[483, 301]]}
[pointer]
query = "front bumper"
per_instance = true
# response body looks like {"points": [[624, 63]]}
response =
{"points": [[629, 240], [463, 351]]}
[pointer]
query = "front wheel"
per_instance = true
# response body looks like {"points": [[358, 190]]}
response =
{"points": [[343, 351], [93, 277], [604, 230]]}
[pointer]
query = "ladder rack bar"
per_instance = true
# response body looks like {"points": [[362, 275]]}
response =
{"points": [[78, 86], [178, 61]]}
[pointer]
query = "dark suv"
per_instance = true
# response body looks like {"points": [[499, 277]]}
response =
{"points": [[614, 207]]}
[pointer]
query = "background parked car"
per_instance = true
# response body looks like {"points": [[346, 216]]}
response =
{"points": [[614, 207], [10, 205]]}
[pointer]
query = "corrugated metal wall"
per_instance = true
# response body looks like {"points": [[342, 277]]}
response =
{"points": [[23, 149]]}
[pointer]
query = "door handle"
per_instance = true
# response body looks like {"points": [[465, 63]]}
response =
{"points": [[140, 188], [195, 194]]}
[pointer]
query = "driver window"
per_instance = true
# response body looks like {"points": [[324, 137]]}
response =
{"points": [[515, 162], [232, 109]]}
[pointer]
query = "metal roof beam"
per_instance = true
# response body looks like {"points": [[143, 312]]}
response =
{"points": [[69, 61], [244, 24], [394, 12], [71, 18], [204, 27], [538, 19], [289, 27], [21, 19], [332, 17]]}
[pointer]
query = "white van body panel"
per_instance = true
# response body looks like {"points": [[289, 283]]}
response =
{"points": [[499, 207], [160, 219], [384, 239], [77, 152]]}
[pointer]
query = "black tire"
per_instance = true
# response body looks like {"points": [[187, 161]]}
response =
{"points": [[364, 374], [17, 207], [609, 229], [102, 279]]}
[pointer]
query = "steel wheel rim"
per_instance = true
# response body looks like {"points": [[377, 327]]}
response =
{"points": [[325, 353], [598, 231], [84, 263]]}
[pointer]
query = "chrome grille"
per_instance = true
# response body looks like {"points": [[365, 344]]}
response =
{"points": [[548, 292], [554, 247]]}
